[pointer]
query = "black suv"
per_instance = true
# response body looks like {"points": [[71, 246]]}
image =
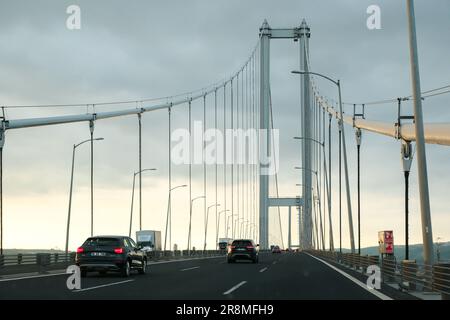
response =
{"points": [[110, 253], [243, 249]]}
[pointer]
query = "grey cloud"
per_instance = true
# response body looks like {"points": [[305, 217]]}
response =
{"points": [[142, 49]]}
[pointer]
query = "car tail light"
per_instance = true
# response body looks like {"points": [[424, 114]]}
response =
{"points": [[230, 248], [118, 250], [80, 250], [250, 247]]}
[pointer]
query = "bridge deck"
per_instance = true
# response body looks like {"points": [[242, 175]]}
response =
{"points": [[277, 276]]}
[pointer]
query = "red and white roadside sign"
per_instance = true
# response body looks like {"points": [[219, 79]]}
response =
{"points": [[386, 241]]}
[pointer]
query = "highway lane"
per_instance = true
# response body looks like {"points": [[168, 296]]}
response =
{"points": [[277, 276], [298, 276]]}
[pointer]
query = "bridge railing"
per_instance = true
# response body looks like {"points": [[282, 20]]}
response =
{"points": [[35, 259], [183, 254], [405, 275], [42, 262]]}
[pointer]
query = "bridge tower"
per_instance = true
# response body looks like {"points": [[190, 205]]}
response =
{"points": [[301, 33], [264, 124], [305, 229]]}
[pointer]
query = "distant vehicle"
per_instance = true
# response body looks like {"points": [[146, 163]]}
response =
{"points": [[110, 253], [244, 249], [276, 249], [149, 240], [224, 242]]}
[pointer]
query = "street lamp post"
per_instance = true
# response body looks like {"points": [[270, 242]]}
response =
{"points": [[322, 237], [341, 124], [190, 223], [206, 221], [252, 232], [358, 151], [241, 224], [132, 200], [438, 249], [71, 189], [302, 168], [218, 225], [407, 158], [169, 216], [91, 129], [227, 226], [311, 139], [322, 144]]}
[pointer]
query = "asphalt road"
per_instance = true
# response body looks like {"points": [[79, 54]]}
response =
{"points": [[276, 276]]}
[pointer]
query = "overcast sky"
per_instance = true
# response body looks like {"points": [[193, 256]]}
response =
{"points": [[143, 49]]}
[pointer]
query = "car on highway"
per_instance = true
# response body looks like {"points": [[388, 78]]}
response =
{"points": [[276, 249], [243, 249], [110, 253]]}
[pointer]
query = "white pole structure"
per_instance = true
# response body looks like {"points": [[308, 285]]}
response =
{"points": [[427, 233], [265, 140], [204, 161], [327, 188], [306, 226], [289, 233], [347, 181], [169, 202], [2, 144], [216, 164], [140, 169], [91, 130], [190, 175]]}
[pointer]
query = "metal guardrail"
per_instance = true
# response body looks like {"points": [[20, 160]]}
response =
{"points": [[48, 259], [183, 254], [35, 259], [407, 274]]}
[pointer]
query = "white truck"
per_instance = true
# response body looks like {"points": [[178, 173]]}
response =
{"points": [[224, 242], [149, 240]]}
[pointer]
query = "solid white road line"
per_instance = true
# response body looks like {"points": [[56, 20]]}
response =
{"points": [[235, 287], [375, 292], [263, 269], [36, 276], [189, 269], [103, 285]]}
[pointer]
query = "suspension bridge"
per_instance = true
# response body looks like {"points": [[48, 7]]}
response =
{"points": [[242, 112]]}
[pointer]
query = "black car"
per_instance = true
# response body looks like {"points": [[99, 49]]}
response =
{"points": [[110, 253], [243, 249]]}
